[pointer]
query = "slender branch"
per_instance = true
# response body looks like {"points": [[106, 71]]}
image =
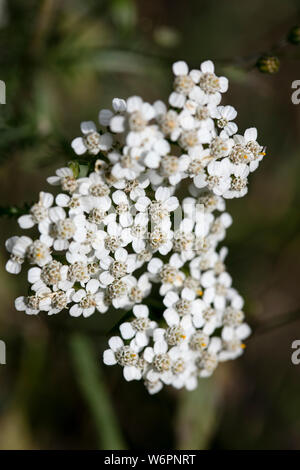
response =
{"points": [[276, 322], [14, 211], [247, 62]]}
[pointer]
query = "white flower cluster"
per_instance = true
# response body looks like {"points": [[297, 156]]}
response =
{"points": [[108, 236]]}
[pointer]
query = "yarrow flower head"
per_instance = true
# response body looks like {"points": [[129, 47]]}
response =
{"points": [[140, 231]]}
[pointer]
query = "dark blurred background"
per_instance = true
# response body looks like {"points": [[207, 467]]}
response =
{"points": [[64, 60]]}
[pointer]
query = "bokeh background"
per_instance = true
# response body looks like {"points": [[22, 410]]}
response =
{"points": [[62, 61]]}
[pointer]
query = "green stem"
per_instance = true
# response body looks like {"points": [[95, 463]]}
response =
{"points": [[92, 386]]}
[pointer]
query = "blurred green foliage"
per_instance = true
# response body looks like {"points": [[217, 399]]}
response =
{"points": [[61, 62]]}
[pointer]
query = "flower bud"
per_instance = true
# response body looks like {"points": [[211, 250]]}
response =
{"points": [[268, 64], [294, 35], [74, 166]]}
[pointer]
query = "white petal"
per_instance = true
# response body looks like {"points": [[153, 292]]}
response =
{"points": [[141, 339], [141, 311], [180, 68], [152, 160], [134, 103], [131, 373], [20, 304], [176, 100], [170, 298], [115, 342], [79, 295], [171, 317], [34, 274], [142, 203], [87, 127], [227, 333], [138, 245], [60, 245], [46, 199], [207, 66], [162, 194], [160, 347], [126, 219], [109, 358], [155, 265], [106, 278], [172, 203], [250, 134], [62, 200], [243, 331], [117, 124], [78, 147], [119, 105], [13, 267], [56, 214], [92, 286], [149, 354], [223, 81], [54, 180], [126, 330], [105, 116], [10, 243], [105, 141], [121, 255], [26, 221], [75, 311]]}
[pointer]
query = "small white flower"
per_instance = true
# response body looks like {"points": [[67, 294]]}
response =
{"points": [[159, 208], [52, 274], [184, 238], [38, 212], [124, 355], [209, 83], [140, 328], [137, 233], [91, 141], [139, 114], [65, 178], [216, 288], [75, 203], [247, 149], [138, 289], [86, 300], [224, 116], [232, 342], [123, 208], [239, 181], [116, 267], [33, 304], [17, 247], [58, 230], [217, 178], [168, 274], [105, 115], [185, 305], [184, 84]]}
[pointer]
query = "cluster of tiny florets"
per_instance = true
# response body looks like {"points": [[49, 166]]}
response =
{"points": [[108, 236]]}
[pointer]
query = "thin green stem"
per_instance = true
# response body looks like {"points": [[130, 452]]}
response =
{"points": [[88, 374]]}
